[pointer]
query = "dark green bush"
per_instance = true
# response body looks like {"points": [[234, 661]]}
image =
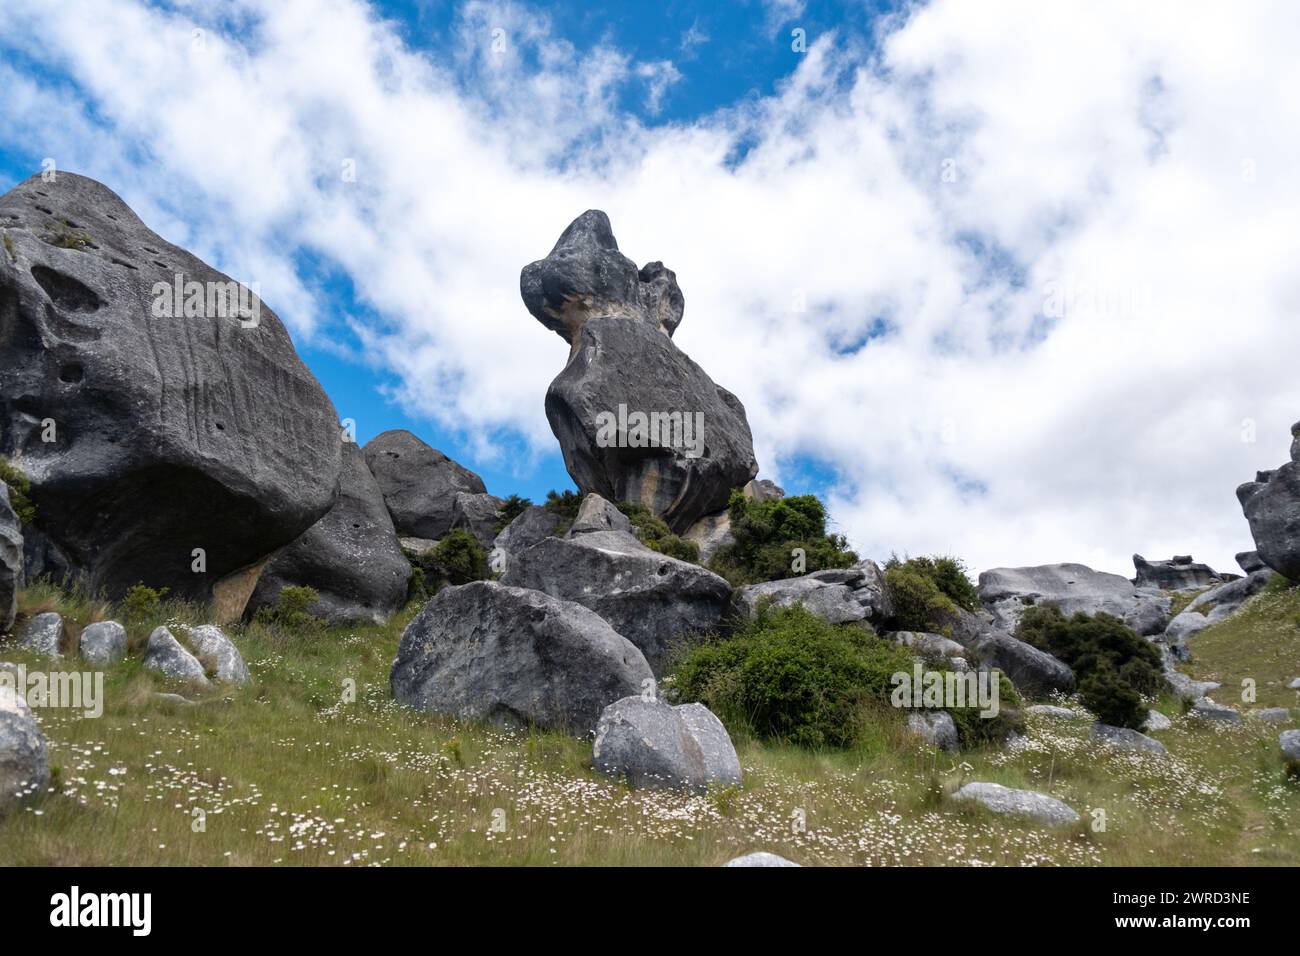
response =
{"points": [[565, 505], [459, 558], [767, 533], [511, 509], [790, 676], [655, 533], [919, 603], [1113, 665], [141, 603], [20, 488]]}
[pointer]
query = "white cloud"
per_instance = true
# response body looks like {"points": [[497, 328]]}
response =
{"points": [[1082, 313]]}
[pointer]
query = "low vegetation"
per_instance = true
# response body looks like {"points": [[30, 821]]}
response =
{"points": [[20, 489], [779, 539], [928, 593], [656, 535]]}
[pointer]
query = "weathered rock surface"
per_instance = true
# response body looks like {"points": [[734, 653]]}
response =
{"points": [[103, 643], [597, 514], [175, 427], [531, 525], [419, 483], [1027, 803], [11, 560], [1185, 688], [935, 727], [351, 557], [833, 603], [1034, 673], [710, 534], [585, 276], [1271, 504], [218, 654], [1126, 738], [477, 514], [760, 859], [650, 743], [43, 634], [1007, 592], [514, 657], [24, 764], [1179, 573], [1289, 741], [165, 655], [762, 489], [1207, 709], [1250, 561], [649, 598], [1156, 722]]}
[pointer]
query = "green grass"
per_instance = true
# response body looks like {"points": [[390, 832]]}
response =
{"points": [[1260, 642], [289, 773]]}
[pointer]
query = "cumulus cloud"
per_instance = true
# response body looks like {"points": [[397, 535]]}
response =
{"points": [[1018, 275]]}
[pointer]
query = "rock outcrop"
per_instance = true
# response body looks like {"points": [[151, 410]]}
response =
{"points": [[24, 765], [478, 514], [351, 557], [532, 525], [11, 560], [1271, 504], [1074, 588], [636, 419], [649, 598], [1212, 607], [166, 656], [1179, 573], [217, 653], [833, 602], [652, 744], [419, 483], [171, 434], [1034, 673], [514, 657]]}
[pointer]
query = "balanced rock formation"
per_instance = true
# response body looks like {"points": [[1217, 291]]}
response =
{"points": [[11, 560], [636, 419], [419, 483], [1271, 504], [514, 657], [1179, 573], [171, 434], [651, 744], [24, 765], [648, 597], [351, 557], [1074, 588]]}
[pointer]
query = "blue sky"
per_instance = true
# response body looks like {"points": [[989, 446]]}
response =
{"points": [[991, 278]]}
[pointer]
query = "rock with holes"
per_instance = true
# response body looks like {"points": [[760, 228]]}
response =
{"points": [[218, 654], [11, 560], [419, 483], [1074, 588], [651, 744], [636, 419], [103, 643], [514, 657], [651, 599], [1038, 807], [171, 434], [351, 557], [43, 634], [165, 655], [24, 765], [760, 859]]}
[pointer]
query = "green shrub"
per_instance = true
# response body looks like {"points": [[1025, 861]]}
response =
{"points": [[459, 558], [141, 603], [20, 488], [790, 676], [511, 509], [655, 533], [565, 505], [291, 610], [766, 535], [919, 603], [1113, 665]]}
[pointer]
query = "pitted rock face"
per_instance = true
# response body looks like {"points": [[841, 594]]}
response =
{"points": [[148, 436], [585, 276]]}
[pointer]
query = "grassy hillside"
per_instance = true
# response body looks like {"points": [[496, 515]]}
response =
{"points": [[287, 773]]}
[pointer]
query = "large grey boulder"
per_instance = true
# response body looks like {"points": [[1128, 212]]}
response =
{"points": [[1179, 573], [11, 560], [43, 634], [103, 643], [24, 764], [1034, 673], [351, 557], [1126, 738], [935, 727], [1271, 504], [165, 655], [652, 744], [1074, 588], [530, 526], [833, 603], [585, 276], [218, 654], [419, 483], [1025, 803], [1289, 741], [649, 598], [760, 858], [176, 428], [478, 514], [514, 657]]}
